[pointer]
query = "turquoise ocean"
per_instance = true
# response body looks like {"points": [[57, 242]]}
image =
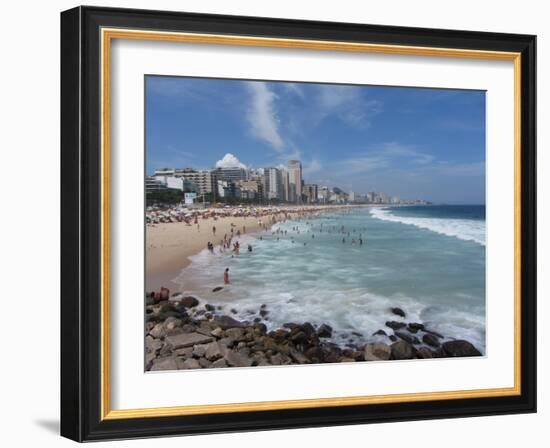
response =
{"points": [[427, 260]]}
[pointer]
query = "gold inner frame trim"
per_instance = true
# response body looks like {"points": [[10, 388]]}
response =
{"points": [[107, 35]]}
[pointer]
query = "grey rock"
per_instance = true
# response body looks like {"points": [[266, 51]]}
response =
{"points": [[377, 352], [217, 332], [460, 348], [380, 333], [215, 351], [189, 301], [298, 356], [413, 327], [190, 363], [204, 363], [395, 325], [164, 364], [401, 350], [434, 333], [219, 363], [237, 359], [324, 331], [226, 322], [184, 352], [209, 307], [407, 337], [199, 350], [398, 311], [424, 353], [217, 288], [152, 344], [431, 340], [158, 331], [236, 334], [187, 340]]}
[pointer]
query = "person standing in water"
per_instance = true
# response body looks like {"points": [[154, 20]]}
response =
{"points": [[226, 276]]}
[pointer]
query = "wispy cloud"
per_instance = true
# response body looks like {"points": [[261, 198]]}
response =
{"points": [[262, 115], [348, 104], [383, 156]]}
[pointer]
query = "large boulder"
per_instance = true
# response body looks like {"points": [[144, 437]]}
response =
{"points": [[431, 340], [407, 337], [164, 364], [190, 363], [460, 348], [158, 331], [424, 353], [402, 350], [324, 331], [225, 322], [187, 340], [189, 302], [395, 325], [237, 334], [377, 352], [398, 312], [215, 351], [237, 359], [413, 327]]}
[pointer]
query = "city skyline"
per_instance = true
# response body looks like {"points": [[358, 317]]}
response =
{"points": [[409, 142], [231, 180]]}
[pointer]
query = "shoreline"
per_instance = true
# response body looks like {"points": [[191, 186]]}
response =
{"points": [[183, 333], [169, 245]]}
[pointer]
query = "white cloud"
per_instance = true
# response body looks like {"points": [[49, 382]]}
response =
{"points": [[348, 104], [262, 115], [229, 161]]}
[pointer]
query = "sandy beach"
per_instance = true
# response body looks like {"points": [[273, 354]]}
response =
{"points": [[169, 245]]}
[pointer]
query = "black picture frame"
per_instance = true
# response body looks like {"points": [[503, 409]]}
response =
{"points": [[81, 224]]}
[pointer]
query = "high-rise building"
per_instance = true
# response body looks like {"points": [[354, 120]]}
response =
{"points": [[295, 180], [311, 192], [286, 185], [231, 174], [273, 184], [251, 189]]}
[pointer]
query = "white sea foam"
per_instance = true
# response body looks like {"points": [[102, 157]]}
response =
{"points": [[326, 282], [464, 229]]}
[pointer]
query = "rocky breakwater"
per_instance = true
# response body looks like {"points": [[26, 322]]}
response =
{"points": [[182, 333]]}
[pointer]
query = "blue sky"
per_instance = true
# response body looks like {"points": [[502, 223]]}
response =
{"points": [[410, 142]]}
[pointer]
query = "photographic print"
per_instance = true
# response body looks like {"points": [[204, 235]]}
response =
{"points": [[301, 223]]}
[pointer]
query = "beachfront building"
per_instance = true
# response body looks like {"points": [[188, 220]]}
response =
{"points": [[384, 198], [323, 194], [273, 184], [228, 190], [203, 181], [395, 200], [251, 190], [311, 193], [295, 181], [153, 185], [235, 174], [286, 185]]}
